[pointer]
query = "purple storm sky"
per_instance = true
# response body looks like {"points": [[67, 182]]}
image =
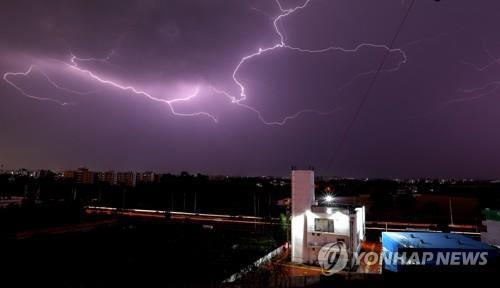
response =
{"points": [[149, 85]]}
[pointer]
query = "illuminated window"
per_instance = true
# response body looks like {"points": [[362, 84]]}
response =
{"points": [[323, 225]]}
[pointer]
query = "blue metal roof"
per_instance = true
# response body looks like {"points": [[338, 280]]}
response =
{"points": [[437, 244], [432, 240]]}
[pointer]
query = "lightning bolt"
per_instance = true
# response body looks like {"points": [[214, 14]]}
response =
{"points": [[477, 92], [31, 68], [279, 123], [282, 44], [485, 89], [494, 61], [106, 60], [74, 63]]}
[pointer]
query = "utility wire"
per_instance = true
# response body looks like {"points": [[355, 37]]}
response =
{"points": [[368, 91]]}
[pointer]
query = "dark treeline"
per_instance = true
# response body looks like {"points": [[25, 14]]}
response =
{"points": [[184, 192], [486, 192]]}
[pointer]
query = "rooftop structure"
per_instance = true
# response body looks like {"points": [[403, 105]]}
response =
{"points": [[492, 223], [316, 223]]}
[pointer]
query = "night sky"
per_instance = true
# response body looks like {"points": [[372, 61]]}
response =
{"points": [[148, 85]]}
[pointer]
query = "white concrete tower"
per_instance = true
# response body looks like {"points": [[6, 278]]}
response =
{"points": [[302, 200]]}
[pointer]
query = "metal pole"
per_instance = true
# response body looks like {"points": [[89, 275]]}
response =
{"points": [[194, 201], [254, 204], [184, 202], [451, 211], [254, 211], [123, 197], [172, 200]]}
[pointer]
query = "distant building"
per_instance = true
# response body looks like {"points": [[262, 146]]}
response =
{"points": [[110, 177], [125, 178], [99, 176], [21, 172], [157, 178], [82, 176], [69, 174], [317, 223], [217, 177], [146, 177], [40, 173]]}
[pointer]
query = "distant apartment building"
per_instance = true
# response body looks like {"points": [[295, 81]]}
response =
{"points": [[157, 178], [125, 178], [22, 172], [69, 174], [40, 173], [108, 177], [146, 177], [99, 176], [82, 175]]}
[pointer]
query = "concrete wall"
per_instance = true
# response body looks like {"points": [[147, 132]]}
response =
{"points": [[302, 199], [492, 234]]}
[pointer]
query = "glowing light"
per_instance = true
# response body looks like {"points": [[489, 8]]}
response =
{"points": [[494, 61], [328, 198], [22, 91], [481, 91], [475, 93], [284, 45], [237, 100], [73, 64]]}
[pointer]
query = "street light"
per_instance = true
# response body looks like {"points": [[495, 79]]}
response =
{"points": [[328, 198]]}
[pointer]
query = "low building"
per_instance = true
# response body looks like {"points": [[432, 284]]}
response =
{"points": [[492, 224], [316, 223]]}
